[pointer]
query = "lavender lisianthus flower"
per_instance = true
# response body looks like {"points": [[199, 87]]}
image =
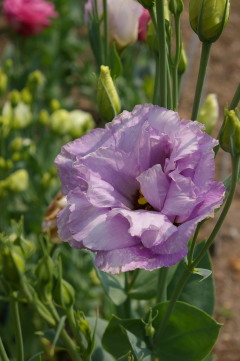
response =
{"points": [[137, 189]]}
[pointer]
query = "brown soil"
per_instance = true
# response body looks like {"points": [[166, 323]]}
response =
{"points": [[222, 79]]}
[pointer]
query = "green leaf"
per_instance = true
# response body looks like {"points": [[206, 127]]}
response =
{"points": [[199, 294], [99, 354], [227, 182], [204, 273], [115, 62], [121, 337], [113, 287], [189, 336], [209, 358]]}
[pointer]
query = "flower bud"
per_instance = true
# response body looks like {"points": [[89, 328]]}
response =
{"points": [[26, 96], [229, 137], [176, 7], [208, 113], [3, 81], [59, 121], [183, 62], [55, 105], [83, 325], [43, 117], [208, 18], [36, 79], [80, 123], [13, 265], [64, 294], [18, 181], [107, 96], [16, 144], [19, 116], [14, 98], [44, 270], [147, 4]]}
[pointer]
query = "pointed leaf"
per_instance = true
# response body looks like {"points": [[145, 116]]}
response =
{"points": [[113, 287]]}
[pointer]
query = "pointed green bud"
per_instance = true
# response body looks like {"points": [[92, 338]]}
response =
{"points": [[55, 105], [107, 96], [64, 294], [229, 137], [147, 4], [183, 61], [44, 270], [176, 7], [83, 325], [26, 96], [18, 181], [36, 79], [208, 114], [13, 265], [208, 18], [43, 117]]}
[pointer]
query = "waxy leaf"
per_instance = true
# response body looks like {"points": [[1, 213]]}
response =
{"points": [[189, 335], [113, 287]]}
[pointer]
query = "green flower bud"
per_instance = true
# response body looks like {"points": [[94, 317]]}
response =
{"points": [[13, 265], [44, 270], [35, 80], [26, 96], [9, 164], [14, 98], [83, 325], [176, 7], [16, 144], [19, 116], [59, 121], [147, 4], [64, 294], [2, 163], [43, 117], [3, 82], [208, 18], [183, 62], [18, 181], [229, 137], [80, 123], [16, 157], [107, 96], [208, 114], [46, 180], [55, 105]]}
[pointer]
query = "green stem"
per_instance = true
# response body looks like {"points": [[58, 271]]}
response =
{"points": [[17, 329], [70, 346], [169, 93], [176, 62], [156, 82], [188, 271], [171, 304], [162, 285], [235, 167], [191, 251], [3, 353], [127, 303], [162, 54], [206, 47], [133, 279], [106, 30], [236, 99]]}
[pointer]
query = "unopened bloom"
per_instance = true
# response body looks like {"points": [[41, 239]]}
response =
{"points": [[123, 18], [29, 17], [137, 189], [143, 25]]}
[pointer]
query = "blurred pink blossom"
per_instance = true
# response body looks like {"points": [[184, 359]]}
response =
{"points": [[143, 25], [29, 17]]}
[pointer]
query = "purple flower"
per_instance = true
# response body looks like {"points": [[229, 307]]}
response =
{"points": [[137, 189]]}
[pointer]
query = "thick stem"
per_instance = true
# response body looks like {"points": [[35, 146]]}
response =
{"points": [[3, 353], [17, 329], [191, 251], [162, 54], [236, 99], [206, 47], [162, 285], [127, 303], [176, 62], [106, 30]]}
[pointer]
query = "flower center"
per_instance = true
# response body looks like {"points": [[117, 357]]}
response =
{"points": [[142, 203]]}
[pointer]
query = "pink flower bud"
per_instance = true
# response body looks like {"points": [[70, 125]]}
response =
{"points": [[143, 25]]}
